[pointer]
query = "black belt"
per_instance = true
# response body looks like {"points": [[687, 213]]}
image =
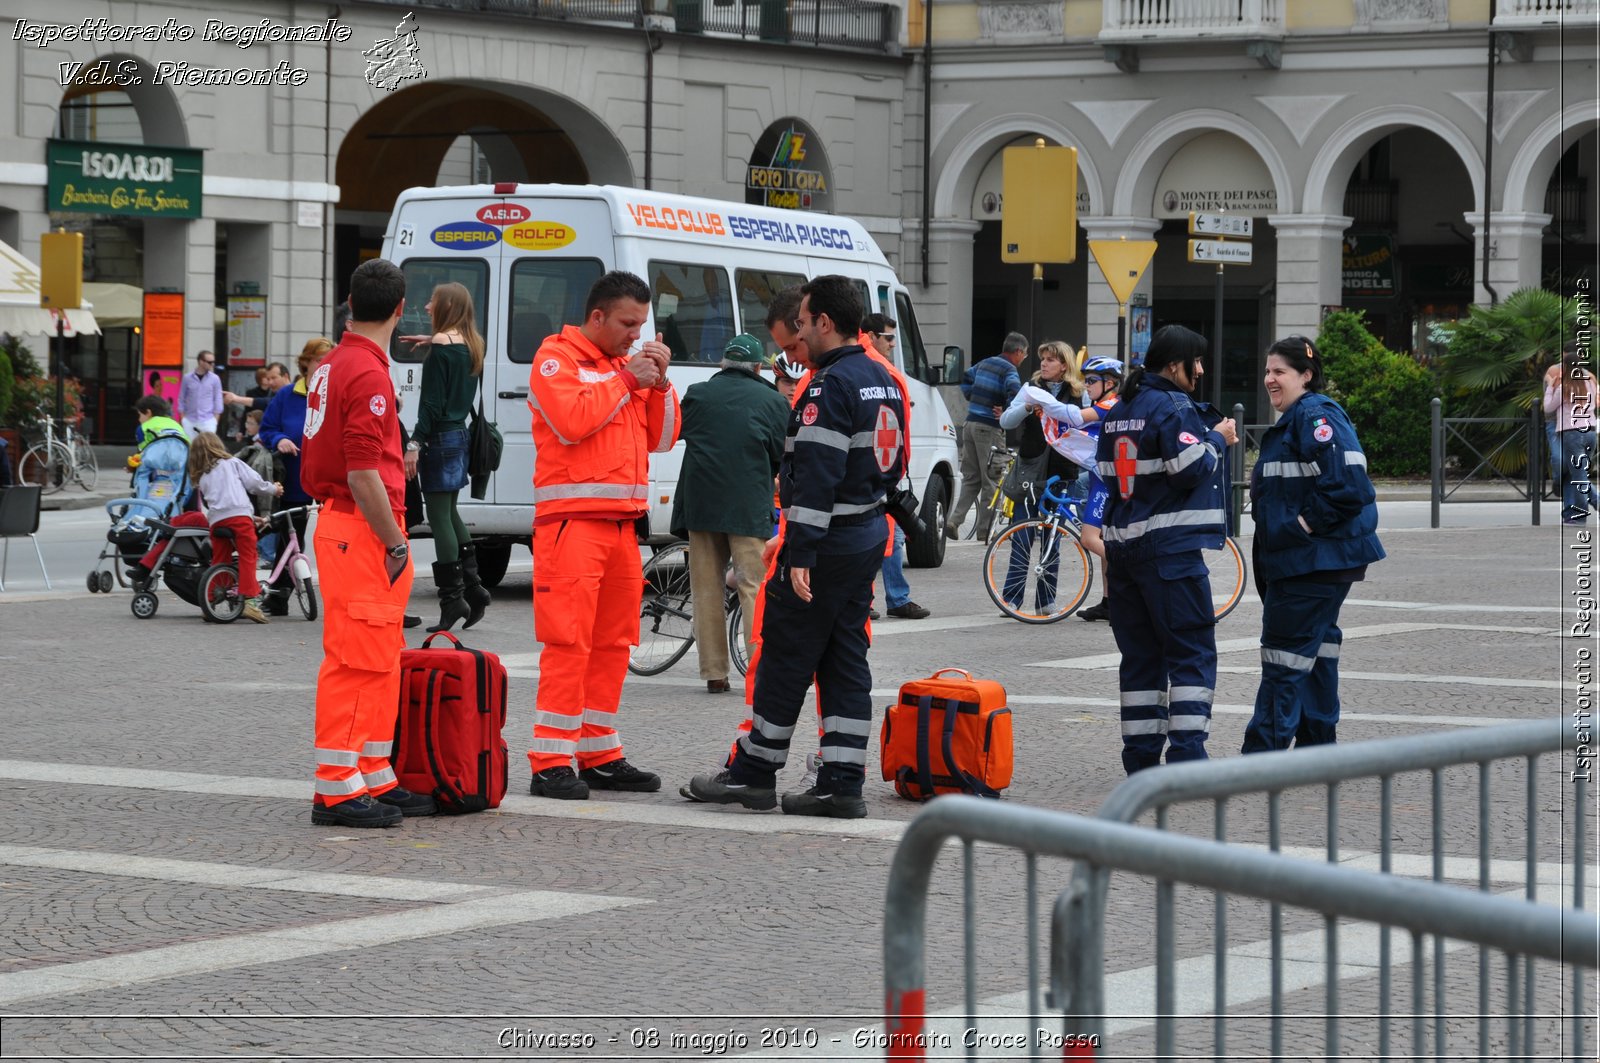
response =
{"points": [[858, 518]]}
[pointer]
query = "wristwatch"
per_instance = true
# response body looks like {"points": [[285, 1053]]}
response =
{"points": [[399, 551], [413, 446]]}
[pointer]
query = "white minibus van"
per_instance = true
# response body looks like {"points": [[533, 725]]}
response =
{"points": [[528, 254]]}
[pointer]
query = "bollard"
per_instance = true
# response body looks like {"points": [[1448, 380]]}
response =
{"points": [[1236, 470], [1535, 453], [1436, 454]]}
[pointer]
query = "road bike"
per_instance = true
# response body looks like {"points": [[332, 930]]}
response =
{"points": [[56, 461], [1000, 504], [666, 615], [1038, 571], [220, 600]]}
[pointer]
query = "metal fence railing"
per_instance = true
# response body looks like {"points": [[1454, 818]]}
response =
{"points": [[1340, 916], [1447, 434]]}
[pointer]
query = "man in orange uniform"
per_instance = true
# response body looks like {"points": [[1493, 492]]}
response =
{"points": [[351, 461], [598, 413]]}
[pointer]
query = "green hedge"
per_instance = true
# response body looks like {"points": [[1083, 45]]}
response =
{"points": [[1385, 393]]}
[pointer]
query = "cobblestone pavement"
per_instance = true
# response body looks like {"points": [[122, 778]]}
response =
{"points": [[164, 894]]}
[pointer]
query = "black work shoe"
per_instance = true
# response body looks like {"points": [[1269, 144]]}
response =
{"points": [[362, 811], [720, 789], [560, 783], [410, 804], [910, 611], [413, 621], [834, 806], [620, 775], [873, 614], [718, 686], [1099, 611]]}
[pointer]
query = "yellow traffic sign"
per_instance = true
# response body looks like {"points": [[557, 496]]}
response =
{"points": [[61, 270], [1122, 262], [1039, 204]]}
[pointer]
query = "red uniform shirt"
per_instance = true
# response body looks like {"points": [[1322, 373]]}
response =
{"points": [[352, 422]]}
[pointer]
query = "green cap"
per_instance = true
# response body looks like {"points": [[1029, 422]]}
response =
{"points": [[745, 348]]}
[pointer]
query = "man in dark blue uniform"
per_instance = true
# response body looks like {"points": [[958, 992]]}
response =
{"points": [[1165, 469], [844, 453]]}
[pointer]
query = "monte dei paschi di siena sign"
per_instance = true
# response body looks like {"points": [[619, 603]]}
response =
{"points": [[100, 178]]}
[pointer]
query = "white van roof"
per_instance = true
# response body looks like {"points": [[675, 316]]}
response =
{"points": [[663, 215]]}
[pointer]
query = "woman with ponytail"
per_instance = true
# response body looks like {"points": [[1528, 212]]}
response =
{"points": [[1316, 520]]}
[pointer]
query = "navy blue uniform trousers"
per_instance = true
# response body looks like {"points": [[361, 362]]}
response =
{"points": [[1166, 628], [1298, 699], [827, 638]]}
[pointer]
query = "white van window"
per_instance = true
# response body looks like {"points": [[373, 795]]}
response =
{"points": [[423, 275], [546, 293], [693, 310], [910, 337], [756, 287]]}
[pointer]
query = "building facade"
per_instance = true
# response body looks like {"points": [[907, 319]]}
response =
{"points": [[1353, 133]]}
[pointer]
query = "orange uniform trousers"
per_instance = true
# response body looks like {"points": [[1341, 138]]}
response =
{"points": [[358, 687], [587, 584]]}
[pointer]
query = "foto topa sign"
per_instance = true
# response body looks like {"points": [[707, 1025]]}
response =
{"points": [[98, 178]]}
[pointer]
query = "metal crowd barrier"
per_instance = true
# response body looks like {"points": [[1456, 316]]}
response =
{"points": [[1516, 926]]}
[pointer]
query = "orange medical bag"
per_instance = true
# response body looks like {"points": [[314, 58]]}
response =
{"points": [[948, 734]]}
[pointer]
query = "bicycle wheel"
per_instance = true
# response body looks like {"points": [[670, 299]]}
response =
{"points": [[736, 647], [666, 613], [84, 466], [305, 594], [46, 467], [219, 594], [1229, 574], [1037, 571]]}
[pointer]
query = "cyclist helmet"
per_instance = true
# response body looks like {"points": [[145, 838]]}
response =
{"points": [[784, 367], [1104, 367]]}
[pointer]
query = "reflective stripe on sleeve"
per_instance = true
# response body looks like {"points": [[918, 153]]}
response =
{"points": [[1291, 469], [1188, 456], [826, 437], [1355, 457], [669, 422], [814, 518], [590, 376]]}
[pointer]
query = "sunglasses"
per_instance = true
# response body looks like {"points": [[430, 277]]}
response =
{"points": [[1094, 380]]}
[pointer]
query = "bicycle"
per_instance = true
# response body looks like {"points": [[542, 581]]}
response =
{"points": [[220, 601], [52, 463], [1058, 580], [666, 615], [1000, 504]]}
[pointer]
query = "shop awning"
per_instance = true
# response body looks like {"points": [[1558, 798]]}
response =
{"points": [[122, 305], [20, 312]]}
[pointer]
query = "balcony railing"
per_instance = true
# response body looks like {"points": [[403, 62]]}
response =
{"points": [[856, 24], [1151, 20], [1371, 202], [1512, 14], [1566, 203]]}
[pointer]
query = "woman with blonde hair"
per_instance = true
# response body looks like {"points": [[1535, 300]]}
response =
{"points": [[437, 453], [282, 431]]}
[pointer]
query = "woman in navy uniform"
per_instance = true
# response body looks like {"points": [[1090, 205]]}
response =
{"points": [[1316, 531], [1164, 469]]}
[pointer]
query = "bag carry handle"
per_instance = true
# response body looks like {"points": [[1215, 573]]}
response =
{"points": [[429, 640], [959, 671]]}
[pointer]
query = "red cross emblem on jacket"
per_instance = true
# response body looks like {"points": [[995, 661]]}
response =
{"points": [[1127, 463], [886, 439]]}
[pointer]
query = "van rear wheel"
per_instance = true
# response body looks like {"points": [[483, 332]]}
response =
{"points": [[492, 561], [927, 549]]}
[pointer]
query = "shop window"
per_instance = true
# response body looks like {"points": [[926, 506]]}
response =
{"points": [[756, 290], [423, 275], [546, 293], [693, 310]]}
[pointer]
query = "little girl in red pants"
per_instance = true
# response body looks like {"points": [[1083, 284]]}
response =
{"points": [[225, 484]]}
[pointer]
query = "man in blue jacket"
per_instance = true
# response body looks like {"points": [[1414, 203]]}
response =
{"points": [[988, 388], [1166, 504]]}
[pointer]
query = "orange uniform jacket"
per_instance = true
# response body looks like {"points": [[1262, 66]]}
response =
{"points": [[593, 431]]}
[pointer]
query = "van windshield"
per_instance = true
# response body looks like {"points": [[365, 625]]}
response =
{"points": [[422, 276], [693, 310], [756, 289]]}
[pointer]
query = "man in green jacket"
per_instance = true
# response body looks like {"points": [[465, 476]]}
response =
{"points": [[733, 429]]}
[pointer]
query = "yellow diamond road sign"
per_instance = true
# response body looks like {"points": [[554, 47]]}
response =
{"points": [[1123, 262]]}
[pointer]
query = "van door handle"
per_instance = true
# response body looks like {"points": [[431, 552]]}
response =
{"points": [[514, 394]]}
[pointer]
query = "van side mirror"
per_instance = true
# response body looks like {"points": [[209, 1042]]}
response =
{"points": [[954, 362]]}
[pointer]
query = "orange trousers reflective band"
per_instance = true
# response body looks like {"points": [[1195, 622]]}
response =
{"points": [[587, 583], [358, 687]]}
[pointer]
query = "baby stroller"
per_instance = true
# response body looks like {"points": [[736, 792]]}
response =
{"points": [[160, 492]]}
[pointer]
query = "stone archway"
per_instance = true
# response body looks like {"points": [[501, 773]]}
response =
{"points": [[1331, 169], [109, 78], [1136, 186], [1535, 162], [532, 137]]}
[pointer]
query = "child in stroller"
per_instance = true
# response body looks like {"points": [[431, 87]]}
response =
{"points": [[225, 484]]}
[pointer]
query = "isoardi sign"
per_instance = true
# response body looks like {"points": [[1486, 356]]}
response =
{"points": [[99, 178]]}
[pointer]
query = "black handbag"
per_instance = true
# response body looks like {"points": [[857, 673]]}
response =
{"points": [[1023, 474], [485, 446]]}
